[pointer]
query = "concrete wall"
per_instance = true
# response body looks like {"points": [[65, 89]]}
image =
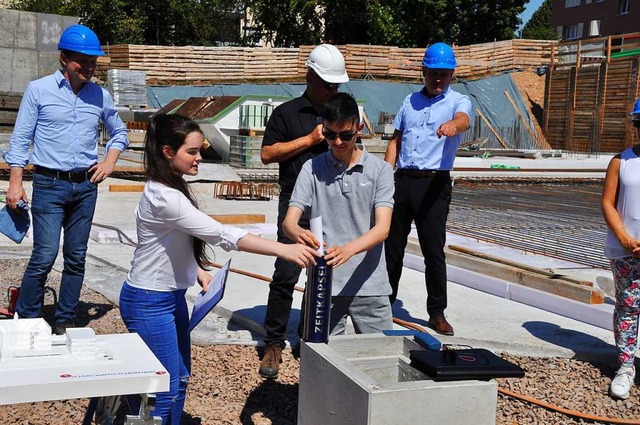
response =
{"points": [[28, 47]]}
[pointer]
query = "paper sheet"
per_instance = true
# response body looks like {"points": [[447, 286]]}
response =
{"points": [[315, 225]]}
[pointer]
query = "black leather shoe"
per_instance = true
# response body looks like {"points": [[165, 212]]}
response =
{"points": [[440, 325]]}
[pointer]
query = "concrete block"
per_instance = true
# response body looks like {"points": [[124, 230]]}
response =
{"points": [[594, 314], [50, 28], [8, 19], [18, 67], [471, 279], [24, 69], [368, 379], [25, 31], [6, 57], [48, 63]]}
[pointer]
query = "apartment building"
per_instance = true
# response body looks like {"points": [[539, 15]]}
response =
{"points": [[576, 19]]}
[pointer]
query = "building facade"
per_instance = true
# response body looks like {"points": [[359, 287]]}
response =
{"points": [[577, 19]]}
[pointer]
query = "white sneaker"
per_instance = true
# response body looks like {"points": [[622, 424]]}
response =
{"points": [[622, 382]]}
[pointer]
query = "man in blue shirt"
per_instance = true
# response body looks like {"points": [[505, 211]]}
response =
{"points": [[60, 113], [428, 130]]}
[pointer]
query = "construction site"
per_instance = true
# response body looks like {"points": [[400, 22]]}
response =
{"points": [[528, 278]]}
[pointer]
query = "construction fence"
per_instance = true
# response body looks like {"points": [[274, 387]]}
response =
{"points": [[590, 90], [169, 65]]}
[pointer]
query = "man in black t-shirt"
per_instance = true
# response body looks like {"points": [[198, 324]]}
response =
{"points": [[294, 135]]}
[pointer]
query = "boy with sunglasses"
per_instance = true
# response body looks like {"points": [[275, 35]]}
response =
{"points": [[353, 192]]}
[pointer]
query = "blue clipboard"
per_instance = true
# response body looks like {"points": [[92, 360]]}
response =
{"points": [[206, 301]]}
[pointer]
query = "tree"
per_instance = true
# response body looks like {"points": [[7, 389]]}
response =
{"points": [[286, 23], [539, 26], [163, 22]]}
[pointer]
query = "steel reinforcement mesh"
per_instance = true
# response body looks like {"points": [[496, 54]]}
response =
{"points": [[561, 221]]}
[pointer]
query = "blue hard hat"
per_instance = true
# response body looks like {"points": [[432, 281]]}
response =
{"points": [[636, 108], [440, 56], [81, 39]]}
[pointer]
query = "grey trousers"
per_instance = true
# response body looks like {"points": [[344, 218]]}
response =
{"points": [[368, 314]]}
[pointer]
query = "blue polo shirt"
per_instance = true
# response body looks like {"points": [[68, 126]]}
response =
{"points": [[346, 198], [63, 126], [418, 119]]}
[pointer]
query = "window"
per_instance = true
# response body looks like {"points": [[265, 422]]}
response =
{"points": [[623, 7], [593, 1], [594, 28], [571, 3], [571, 32]]}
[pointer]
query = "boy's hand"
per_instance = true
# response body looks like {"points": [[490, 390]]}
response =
{"points": [[337, 255], [307, 238]]}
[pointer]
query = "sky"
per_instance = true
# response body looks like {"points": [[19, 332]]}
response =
{"points": [[529, 8]]}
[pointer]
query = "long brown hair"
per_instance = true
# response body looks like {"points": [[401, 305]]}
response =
{"points": [[171, 131]]}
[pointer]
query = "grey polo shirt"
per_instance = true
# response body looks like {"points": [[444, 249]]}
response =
{"points": [[346, 199]]}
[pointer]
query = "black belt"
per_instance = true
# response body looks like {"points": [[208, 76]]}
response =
{"points": [[72, 176], [412, 172]]}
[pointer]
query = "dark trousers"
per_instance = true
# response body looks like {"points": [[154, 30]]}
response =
{"points": [[424, 200], [285, 278]]}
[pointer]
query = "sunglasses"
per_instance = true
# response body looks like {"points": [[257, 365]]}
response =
{"points": [[345, 136]]}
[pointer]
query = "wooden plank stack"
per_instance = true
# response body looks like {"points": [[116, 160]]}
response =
{"points": [[198, 64], [590, 94], [9, 104]]}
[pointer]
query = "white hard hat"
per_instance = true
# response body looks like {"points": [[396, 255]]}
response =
{"points": [[327, 61]]}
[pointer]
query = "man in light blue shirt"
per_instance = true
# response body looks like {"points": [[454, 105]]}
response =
{"points": [[428, 130], [60, 113]]}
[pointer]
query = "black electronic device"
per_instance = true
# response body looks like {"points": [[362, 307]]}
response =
{"points": [[464, 364]]}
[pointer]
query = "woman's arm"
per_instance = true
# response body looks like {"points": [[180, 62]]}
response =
{"points": [[610, 213], [295, 253]]}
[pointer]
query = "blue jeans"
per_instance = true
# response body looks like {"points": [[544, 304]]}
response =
{"points": [[162, 321], [56, 205]]}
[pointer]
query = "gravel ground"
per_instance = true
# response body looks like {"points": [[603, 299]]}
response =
{"points": [[226, 388]]}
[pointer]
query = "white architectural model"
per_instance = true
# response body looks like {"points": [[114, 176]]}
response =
{"points": [[22, 339]]}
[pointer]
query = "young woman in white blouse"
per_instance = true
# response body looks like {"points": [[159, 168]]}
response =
{"points": [[171, 257]]}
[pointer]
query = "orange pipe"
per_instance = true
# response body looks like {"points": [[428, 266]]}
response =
{"points": [[567, 412]]}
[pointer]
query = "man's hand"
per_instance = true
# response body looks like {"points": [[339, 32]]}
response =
{"points": [[101, 171], [447, 129], [316, 135], [15, 193]]}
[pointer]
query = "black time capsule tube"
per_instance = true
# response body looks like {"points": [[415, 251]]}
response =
{"points": [[317, 305]]}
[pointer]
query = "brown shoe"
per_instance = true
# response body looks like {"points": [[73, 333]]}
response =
{"points": [[270, 365], [440, 325]]}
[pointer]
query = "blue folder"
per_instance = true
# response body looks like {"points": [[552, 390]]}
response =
{"points": [[14, 223], [206, 301]]}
